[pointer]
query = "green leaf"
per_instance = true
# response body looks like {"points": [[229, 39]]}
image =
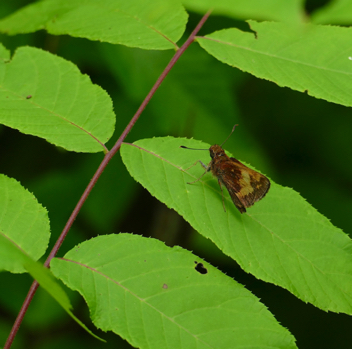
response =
{"points": [[15, 255], [4, 54], [23, 222], [156, 24], [48, 282], [281, 239], [276, 10], [310, 58], [155, 296], [46, 96], [334, 12]]}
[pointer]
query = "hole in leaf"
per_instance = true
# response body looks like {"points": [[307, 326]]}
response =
{"points": [[200, 268]]}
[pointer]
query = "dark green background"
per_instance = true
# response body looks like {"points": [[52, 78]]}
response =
{"points": [[298, 141]]}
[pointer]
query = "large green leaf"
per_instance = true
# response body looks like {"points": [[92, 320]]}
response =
{"points": [[281, 239], [334, 12], [310, 58], [156, 24], [23, 223], [277, 10], [46, 96], [155, 296]]}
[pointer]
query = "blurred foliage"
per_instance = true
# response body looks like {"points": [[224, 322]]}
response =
{"points": [[299, 141]]}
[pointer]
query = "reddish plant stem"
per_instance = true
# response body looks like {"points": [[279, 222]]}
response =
{"points": [[97, 174]]}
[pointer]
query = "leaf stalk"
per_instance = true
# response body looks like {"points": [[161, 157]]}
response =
{"points": [[96, 176]]}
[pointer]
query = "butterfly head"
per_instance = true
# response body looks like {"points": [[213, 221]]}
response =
{"points": [[216, 151]]}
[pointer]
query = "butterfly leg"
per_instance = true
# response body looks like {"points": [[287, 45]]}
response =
{"points": [[203, 165], [207, 169], [222, 195]]}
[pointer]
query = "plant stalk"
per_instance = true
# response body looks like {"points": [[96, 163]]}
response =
{"points": [[96, 176]]}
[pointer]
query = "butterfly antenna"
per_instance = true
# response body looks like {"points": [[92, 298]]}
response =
{"points": [[228, 135], [182, 146]]}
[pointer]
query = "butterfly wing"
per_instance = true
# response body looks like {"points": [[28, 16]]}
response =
{"points": [[244, 185]]}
